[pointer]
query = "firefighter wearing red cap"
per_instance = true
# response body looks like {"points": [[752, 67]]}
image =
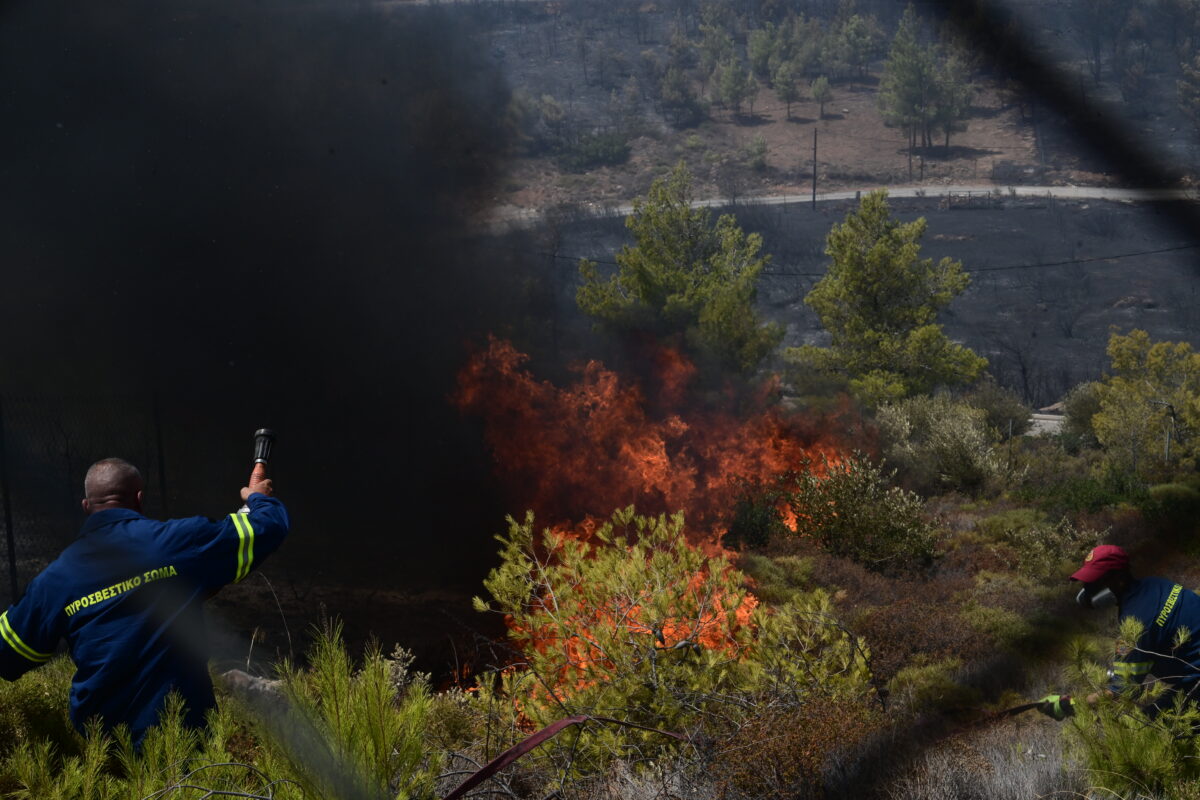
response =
{"points": [[1163, 608]]}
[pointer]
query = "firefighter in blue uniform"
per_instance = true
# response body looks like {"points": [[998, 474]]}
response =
{"points": [[128, 598], [1164, 609]]}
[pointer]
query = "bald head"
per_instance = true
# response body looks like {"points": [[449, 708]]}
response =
{"points": [[112, 483]]}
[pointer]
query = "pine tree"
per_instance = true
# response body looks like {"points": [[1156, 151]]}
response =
{"points": [[879, 302], [821, 93], [909, 82], [786, 87], [953, 97], [734, 84], [685, 279]]}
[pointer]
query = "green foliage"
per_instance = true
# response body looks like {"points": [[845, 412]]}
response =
{"points": [[1080, 406], [851, 510], [716, 46], [1174, 507], [368, 720], [856, 42], [35, 708], [1003, 410], [679, 101], [344, 731], [821, 93], [733, 85], [786, 83], [777, 580], [756, 154], [755, 519], [685, 278], [938, 444], [1062, 483], [921, 90], [1044, 549], [761, 48], [594, 150], [879, 302], [636, 624], [106, 767], [1149, 405], [1126, 753], [931, 686]]}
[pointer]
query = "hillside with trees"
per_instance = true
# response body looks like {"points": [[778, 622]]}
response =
{"points": [[608, 97]]}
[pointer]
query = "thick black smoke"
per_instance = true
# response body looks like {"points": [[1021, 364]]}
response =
{"points": [[260, 212]]}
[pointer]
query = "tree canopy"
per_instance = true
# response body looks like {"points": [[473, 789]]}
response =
{"points": [[922, 90], [684, 278], [1149, 404], [879, 302]]}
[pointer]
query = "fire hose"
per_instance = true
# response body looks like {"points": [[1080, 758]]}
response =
{"points": [[530, 742]]}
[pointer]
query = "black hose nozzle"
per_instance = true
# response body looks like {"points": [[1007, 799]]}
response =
{"points": [[264, 438]]}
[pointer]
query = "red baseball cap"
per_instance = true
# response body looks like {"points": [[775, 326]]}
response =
{"points": [[1100, 560]]}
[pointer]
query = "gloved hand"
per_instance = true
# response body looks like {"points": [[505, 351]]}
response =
{"points": [[1056, 706]]}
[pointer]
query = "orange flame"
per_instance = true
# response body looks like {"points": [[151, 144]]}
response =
{"points": [[570, 453]]}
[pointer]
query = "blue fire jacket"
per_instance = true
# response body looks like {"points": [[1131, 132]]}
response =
{"points": [[1163, 608], [128, 596]]}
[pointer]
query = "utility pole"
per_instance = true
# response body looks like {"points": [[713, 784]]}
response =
{"points": [[814, 184]]}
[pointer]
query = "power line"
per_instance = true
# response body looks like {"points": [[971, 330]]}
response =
{"points": [[1112, 257], [1089, 260], [1069, 262]]}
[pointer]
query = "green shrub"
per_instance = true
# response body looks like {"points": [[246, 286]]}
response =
{"points": [[1174, 506], [755, 519], [938, 444], [756, 154], [1080, 405], [931, 686], [594, 150], [1004, 413], [34, 709], [1063, 484], [777, 580], [852, 511], [343, 731], [1124, 752], [1043, 548], [354, 728]]}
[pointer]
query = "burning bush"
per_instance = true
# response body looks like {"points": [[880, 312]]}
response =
{"points": [[634, 623], [849, 508]]}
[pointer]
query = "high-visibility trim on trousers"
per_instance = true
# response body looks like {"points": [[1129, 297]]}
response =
{"points": [[245, 545]]}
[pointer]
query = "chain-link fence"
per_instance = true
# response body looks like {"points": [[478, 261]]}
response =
{"points": [[46, 446]]}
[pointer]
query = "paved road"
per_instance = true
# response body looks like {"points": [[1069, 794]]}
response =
{"points": [[1045, 424], [529, 216]]}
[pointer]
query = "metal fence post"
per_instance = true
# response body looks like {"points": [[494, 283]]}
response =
{"points": [[6, 496], [162, 464]]}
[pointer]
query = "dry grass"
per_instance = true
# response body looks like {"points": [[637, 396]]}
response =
{"points": [[1018, 760]]}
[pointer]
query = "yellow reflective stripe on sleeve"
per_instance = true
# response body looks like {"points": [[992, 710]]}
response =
{"points": [[1127, 668], [245, 545], [14, 641], [249, 544]]}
